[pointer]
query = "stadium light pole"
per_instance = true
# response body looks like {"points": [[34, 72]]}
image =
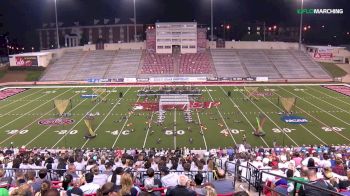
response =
{"points": [[211, 21], [57, 36], [301, 24], [135, 21]]}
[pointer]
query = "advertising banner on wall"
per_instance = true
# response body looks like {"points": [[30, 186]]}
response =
{"points": [[26, 61], [324, 53]]}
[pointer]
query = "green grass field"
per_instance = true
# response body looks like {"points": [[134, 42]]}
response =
{"points": [[328, 113]]}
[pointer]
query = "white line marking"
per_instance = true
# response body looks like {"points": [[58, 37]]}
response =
{"points": [[228, 129], [51, 126], [315, 117], [300, 124], [33, 93], [245, 117], [23, 105], [33, 109], [77, 123], [199, 121], [149, 126], [269, 118], [110, 111], [124, 125]]}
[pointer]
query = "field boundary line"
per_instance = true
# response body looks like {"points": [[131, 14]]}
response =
{"points": [[34, 109], [51, 126], [149, 126], [18, 99], [267, 116], [331, 96], [110, 111], [121, 130], [300, 124], [33, 122], [234, 104], [199, 121], [312, 115], [328, 102], [228, 129], [78, 122], [319, 108], [23, 105]]}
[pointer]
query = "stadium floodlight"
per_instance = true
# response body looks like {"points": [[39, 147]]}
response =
{"points": [[301, 25], [57, 36]]}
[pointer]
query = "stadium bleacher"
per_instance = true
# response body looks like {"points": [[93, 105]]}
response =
{"points": [[124, 65], [199, 63], [157, 63]]}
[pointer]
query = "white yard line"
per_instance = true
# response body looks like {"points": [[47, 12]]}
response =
{"points": [[23, 105], [34, 121], [51, 126], [268, 117], [33, 109], [228, 129], [327, 102], [300, 124], [317, 107], [124, 126], [330, 96], [245, 117], [77, 123], [149, 126], [110, 111], [315, 117], [15, 101], [199, 121]]}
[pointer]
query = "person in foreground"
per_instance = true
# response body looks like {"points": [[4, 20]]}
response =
{"points": [[222, 185], [181, 188]]}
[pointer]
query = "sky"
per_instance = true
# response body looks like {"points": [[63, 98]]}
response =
{"points": [[21, 18]]}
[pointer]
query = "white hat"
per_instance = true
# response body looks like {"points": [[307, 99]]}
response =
{"points": [[258, 158]]}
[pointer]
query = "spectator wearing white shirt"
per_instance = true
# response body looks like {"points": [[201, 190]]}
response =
{"points": [[89, 187], [99, 178]]}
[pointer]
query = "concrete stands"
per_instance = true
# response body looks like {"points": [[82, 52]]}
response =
{"points": [[124, 65], [227, 63], [61, 68]]}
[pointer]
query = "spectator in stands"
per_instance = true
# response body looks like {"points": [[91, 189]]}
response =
{"points": [[109, 169], [149, 187], [339, 167], [42, 177], [116, 177], [181, 188], [127, 186], [107, 189], [303, 177], [72, 171], [168, 179], [75, 191], [210, 191], [198, 188], [150, 176], [222, 185], [4, 181], [52, 192], [4, 192], [309, 191], [67, 182], [89, 187], [45, 186], [99, 178]]}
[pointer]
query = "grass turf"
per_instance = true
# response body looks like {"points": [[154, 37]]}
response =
{"points": [[327, 112], [334, 70]]}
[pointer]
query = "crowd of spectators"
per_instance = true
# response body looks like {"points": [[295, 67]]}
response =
{"points": [[172, 172], [113, 172]]}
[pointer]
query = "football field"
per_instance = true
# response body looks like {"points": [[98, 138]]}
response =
{"points": [[30, 118]]}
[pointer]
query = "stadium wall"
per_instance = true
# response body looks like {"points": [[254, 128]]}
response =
{"points": [[259, 45], [126, 46]]}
